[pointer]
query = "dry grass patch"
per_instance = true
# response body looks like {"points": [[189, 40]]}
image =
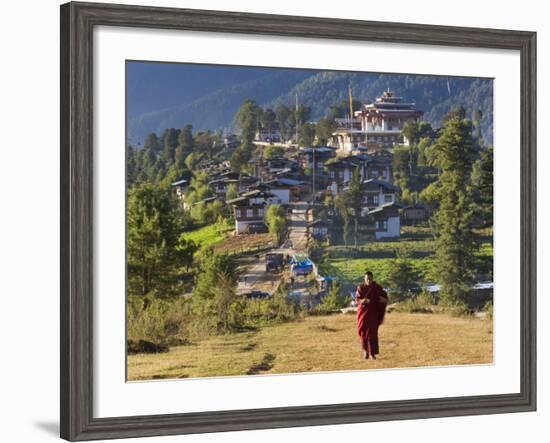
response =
{"points": [[325, 343]]}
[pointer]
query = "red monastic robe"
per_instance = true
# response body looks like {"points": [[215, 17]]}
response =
{"points": [[370, 315]]}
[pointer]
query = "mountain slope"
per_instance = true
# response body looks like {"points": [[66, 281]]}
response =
{"points": [[215, 110], [434, 95], [319, 90]]}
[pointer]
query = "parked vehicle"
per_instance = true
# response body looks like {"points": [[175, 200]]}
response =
{"points": [[274, 261], [257, 228], [301, 265], [256, 294]]}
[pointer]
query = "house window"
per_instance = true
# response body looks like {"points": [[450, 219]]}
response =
{"points": [[388, 198], [238, 213], [260, 212], [250, 212], [375, 199], [331, 174], [382, 225]]}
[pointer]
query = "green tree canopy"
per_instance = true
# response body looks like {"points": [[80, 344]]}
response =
{"points": [[276, 221], [247, 119], [453, 154], [307, 134], [324, 129], [155, 251], [283, 114]]}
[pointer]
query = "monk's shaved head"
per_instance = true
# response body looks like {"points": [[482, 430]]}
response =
{"points": [[368, 277]]}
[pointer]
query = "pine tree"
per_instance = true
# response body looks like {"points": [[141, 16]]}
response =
{"points": [[247, 119], [155, 251], [185, 139], [486, 186], [307, 134], [268, 119], [453, 154], [169, 144], [131, 166], [283, 113], [152, 144], [324, 129]]}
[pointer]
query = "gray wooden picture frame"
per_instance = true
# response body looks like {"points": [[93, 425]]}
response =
{"points": [[77, 23]]}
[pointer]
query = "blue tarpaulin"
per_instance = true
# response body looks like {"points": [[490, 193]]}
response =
{"points": [[301, 265]]}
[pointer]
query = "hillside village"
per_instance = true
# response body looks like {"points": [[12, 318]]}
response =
{"points": [[309, 174], [305, 181], [284, 217]]}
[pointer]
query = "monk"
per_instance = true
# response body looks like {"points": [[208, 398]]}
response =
{"points": [[371, 307]]}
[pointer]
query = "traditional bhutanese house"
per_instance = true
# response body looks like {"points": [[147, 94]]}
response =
{"points": [[318, 229], [382, 121], [247, 211], [307, 157], [243, 181], [362, 161], [339, 173], [377, 193], [348, 140], [276, 165], [259, 192], [386, 220], [221, 185], [270, 134], [179, 188], [231, 142], [246, 182], [380, 165], [413, 214], [348, 135], [284, 189]]}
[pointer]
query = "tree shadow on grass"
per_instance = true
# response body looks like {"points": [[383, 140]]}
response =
{"points": [[265, 365], [323, 328], [249, 347]]}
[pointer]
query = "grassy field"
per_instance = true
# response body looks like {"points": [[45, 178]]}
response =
{"points": [[208, 235], [324, 343], [350, 264], [352, 269]]}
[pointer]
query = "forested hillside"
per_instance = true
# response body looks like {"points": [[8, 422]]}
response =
{"points": [[319, 90]]}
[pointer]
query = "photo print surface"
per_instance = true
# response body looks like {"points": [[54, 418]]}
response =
{"points": [[298, 220]]}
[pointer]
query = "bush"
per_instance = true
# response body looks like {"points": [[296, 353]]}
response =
{"points": [[334, 300], [160, 322], [423, 302], [457, 309], [145, 347], [275, 309]]}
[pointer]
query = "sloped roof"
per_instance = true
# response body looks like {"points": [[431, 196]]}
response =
{"points": [[381, 208], [181, 183], [381, 183]]}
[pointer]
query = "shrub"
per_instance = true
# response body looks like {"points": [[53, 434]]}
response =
{"points": [[160, 322], [334, 300], [423, 302]]}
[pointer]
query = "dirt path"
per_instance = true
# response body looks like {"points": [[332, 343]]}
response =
{"points": [[254, 276]]}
